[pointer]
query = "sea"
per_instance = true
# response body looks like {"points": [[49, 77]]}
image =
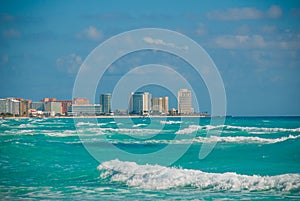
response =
{"points": [[248, 158]]}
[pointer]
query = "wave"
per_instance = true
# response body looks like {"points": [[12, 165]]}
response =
{"points": [[90, 124], [139, 125], [237, 140], [160, 177], [170, 122], [253, 130], [194, 128], [245, 128], [243, 139], [18, 132]]}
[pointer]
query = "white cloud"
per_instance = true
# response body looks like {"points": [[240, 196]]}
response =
{"points": [[70, 63], [162, 42], [10, 33], [240, 41], [90, 33], [246, 13]]}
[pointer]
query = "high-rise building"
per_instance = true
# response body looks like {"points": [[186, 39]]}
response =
{"points": [[13, 106], [185, 102], [105, 102], [10, 105], [140, 103], [165, 105], [80, 101], [24, 106], [160, 105]]}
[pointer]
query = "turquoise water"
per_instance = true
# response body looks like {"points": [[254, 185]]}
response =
{"points": [[254, 158]]}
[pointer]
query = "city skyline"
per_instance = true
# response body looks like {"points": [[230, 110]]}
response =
{"points": [[140, 103]]}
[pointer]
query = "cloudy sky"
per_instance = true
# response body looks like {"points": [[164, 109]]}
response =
{"points": [[254, 44]]}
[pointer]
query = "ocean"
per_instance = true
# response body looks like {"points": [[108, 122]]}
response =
{"points": [[253, 158]]}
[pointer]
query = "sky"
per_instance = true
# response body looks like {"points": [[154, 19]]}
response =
{"points": [[254, 44]]}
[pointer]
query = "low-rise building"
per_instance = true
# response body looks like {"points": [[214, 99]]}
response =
{"points": [[80, 101], [84, 110], [54, 108]]}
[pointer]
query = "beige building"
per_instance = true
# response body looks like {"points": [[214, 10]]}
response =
{"points": [[160, 105], [185, 102], [80, 101]]}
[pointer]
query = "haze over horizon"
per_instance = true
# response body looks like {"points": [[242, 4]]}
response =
{"points": [[254, 44]]}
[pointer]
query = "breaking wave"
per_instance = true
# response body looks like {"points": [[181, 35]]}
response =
{"points": [[160, 177], [139, 125], [245, 128], [170, 122], [194, 128], [253, 130], [237, 140]]}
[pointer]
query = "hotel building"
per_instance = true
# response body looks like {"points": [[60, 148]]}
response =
{"points": [[185, 102], [140, 103], [160, 105], [10, 105], [84, 110], [105, 102], [53, 108]]}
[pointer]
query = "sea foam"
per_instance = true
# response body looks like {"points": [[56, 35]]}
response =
{"points": [[246, 128], [218, 139], [254, 130], [160, 177], [170, 122]]}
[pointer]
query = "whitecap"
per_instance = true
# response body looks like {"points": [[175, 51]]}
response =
{"points": [[229, 139], [194, 128], [139, 125], [170, 122], [246, 128], [160, 177]]}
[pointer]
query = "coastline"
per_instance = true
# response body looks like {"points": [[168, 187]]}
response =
{"points": [[109, 117]]}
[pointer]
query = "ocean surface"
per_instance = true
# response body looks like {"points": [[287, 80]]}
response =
{"points": [[254, 158]]}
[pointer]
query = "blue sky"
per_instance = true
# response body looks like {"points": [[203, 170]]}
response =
{"points": [[254, 44]]}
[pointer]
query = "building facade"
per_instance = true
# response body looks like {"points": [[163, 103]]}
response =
{"points": [[13, 106], [185, 102], [53, 108], [80, 101], [105, 102], [10, 106], [3, 106], [64, 105], [140, 103], [37, 106], [24, 106], [85, 110], [160, 105]]}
